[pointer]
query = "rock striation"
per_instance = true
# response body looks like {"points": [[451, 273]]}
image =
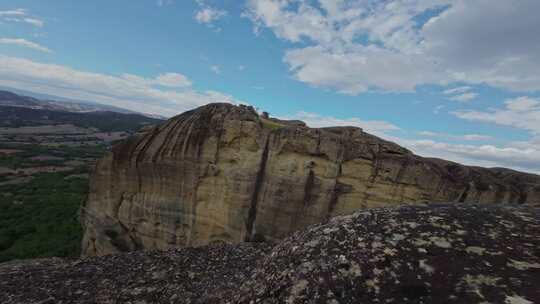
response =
{"points": [[223, 173], [436, 253]]}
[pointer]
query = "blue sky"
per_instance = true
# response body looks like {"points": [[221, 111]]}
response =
{"points": [[452, 79]]}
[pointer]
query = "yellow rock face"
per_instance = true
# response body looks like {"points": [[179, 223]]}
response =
{"points": [[220, 173]]}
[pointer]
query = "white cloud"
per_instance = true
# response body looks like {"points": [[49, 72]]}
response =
{"points": [[127, 91], [532, 143], [429, 133], [438, 109], [465, 97], [241, 67], [34, 22], [15, 12], [524, 159], [208, 15], [173, 80], [161, 3], [466, 137], [24, 43], [523, 104], [359, 45], [170, 80], [216, 69], [461, 94], [458, 90], [359, 69], [522, 113], [315, 120], [21, 15], [476, 137]]}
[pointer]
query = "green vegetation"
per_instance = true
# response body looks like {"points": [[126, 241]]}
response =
{"points": [[43, 175], [39, 215], [268, 124], [22, 159], [39, 218]]}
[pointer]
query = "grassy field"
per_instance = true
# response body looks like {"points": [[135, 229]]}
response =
{"points": [[271, 124], [39, 215]]}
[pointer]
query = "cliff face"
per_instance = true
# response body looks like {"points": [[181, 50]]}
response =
{"points": [[221, 173]]}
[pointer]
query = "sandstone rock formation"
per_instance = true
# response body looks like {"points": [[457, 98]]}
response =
{"points": [[222, 173], [438, 253]]}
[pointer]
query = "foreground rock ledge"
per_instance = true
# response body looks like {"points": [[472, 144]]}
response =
{"points": [[438, 253], [222, 173]]}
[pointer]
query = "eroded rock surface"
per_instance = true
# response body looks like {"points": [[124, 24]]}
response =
{"points": [[222, 173], [435, 254], [439, 253]]}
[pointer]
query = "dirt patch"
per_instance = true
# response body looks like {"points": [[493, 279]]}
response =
{"points": [[111, 136], [47, 169], [74, 163], [9, 151], [82, 175], [46, 158], [17, 181], [48, 129], [5, 170]]}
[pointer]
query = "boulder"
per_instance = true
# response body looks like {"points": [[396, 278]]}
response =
{"points": [[436, 253], [223, 174]]}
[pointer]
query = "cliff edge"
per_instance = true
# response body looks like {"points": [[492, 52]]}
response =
{"points": [[223, 173]]}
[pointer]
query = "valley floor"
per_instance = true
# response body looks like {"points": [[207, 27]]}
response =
{"points": [[42, 184]]}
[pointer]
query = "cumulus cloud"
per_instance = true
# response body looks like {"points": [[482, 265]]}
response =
{"points": [[359, 69], [397, 45], [25, 43], [523, 104], [209, 15], [167, 94], [522, 112], [173, 80]]}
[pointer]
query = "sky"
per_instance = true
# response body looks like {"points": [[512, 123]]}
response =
{"points": [[456, 79]]}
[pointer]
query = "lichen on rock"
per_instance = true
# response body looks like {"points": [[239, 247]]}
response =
{"points": [[348, 259]]}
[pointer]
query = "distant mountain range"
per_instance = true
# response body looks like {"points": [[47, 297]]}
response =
{"points": [[27, 99], [18, 111]]}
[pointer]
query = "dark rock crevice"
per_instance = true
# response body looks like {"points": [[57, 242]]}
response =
{"points": [[464, 194], [259, 180], [308, 188], [522, 197]]}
